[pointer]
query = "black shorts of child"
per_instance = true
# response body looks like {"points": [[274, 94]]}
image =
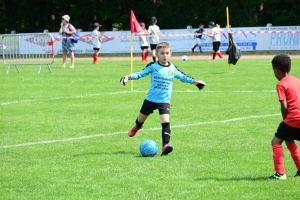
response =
{"points": [[144, 47], [216, 46], [148, 107], [287, 133], [153, 46], [96, 49]]}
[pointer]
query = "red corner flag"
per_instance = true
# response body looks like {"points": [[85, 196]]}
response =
{"points": [[134, 25]]}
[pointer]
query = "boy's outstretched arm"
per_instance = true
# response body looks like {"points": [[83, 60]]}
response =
{"points": [[187, 79], [136, 75], [199, 84], [283, 105], [124, 79]]}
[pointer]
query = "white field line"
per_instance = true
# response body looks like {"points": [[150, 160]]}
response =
{"points": [[58, 98], [115, 93], [123, 132]]}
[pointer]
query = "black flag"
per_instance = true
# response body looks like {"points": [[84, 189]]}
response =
{"points": [[233, 51]]}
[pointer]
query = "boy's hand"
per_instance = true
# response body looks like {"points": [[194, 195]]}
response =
{"points": [[124, 80], [200, 84]]}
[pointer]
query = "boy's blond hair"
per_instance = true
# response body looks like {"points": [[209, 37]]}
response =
{"points": [[163, 45]]}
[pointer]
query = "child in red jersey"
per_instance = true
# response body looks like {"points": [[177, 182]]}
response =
{"points": [[288, 89]]}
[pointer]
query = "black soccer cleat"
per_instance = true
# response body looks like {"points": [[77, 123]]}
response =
{"points": [[166, 149], [297, 174]]}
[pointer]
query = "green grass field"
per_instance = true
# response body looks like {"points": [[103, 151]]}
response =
{"points": [[64, 135]]}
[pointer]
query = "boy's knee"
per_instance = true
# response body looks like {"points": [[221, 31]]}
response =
{"points": [[276, 140], [289, 142]]}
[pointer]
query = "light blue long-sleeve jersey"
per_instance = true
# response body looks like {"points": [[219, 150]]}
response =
{"points": [[162, 78]]}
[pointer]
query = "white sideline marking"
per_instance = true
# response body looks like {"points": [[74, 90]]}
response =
{"points": [[58, 98], [116, 93], [123, 132]]}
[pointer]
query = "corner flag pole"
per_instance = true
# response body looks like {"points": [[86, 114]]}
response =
{"points": [[228, 30], [131, 61], [135, 27]]}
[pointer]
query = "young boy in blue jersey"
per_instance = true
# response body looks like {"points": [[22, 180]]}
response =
{"points": [[159, 95]]}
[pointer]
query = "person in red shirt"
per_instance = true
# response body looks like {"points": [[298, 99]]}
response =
{"points": [[288, 89]]}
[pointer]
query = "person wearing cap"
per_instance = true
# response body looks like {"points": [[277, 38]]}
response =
{"points": [[216, 38], [96, 39], [66, 30], [154, 32]]}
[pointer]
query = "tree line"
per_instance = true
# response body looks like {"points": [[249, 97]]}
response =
{"points": [[25, 16]]}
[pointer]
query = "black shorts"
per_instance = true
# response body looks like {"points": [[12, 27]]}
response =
{"points": [[144, 47], [148, 107], [216, 46], [153, 46], [287, 133], [96, 49]]}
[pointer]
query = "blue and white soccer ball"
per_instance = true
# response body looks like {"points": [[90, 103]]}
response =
{"points": [[184, 58], [148, 148]]}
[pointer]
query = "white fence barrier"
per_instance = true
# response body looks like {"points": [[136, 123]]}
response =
{"points": [[28, 49]]}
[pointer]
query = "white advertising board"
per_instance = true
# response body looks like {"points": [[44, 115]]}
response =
{"points": [[182, 40]]}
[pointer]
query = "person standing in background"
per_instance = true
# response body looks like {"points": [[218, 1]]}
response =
{"points": [[154, 32], [198, 36], [143, 42], [96, 38], [216, 38], [66, 30]]}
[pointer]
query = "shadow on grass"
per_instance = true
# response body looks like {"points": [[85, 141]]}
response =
{"points": [[146, 157], [133, 153], [105, 153], [232, 179]]}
